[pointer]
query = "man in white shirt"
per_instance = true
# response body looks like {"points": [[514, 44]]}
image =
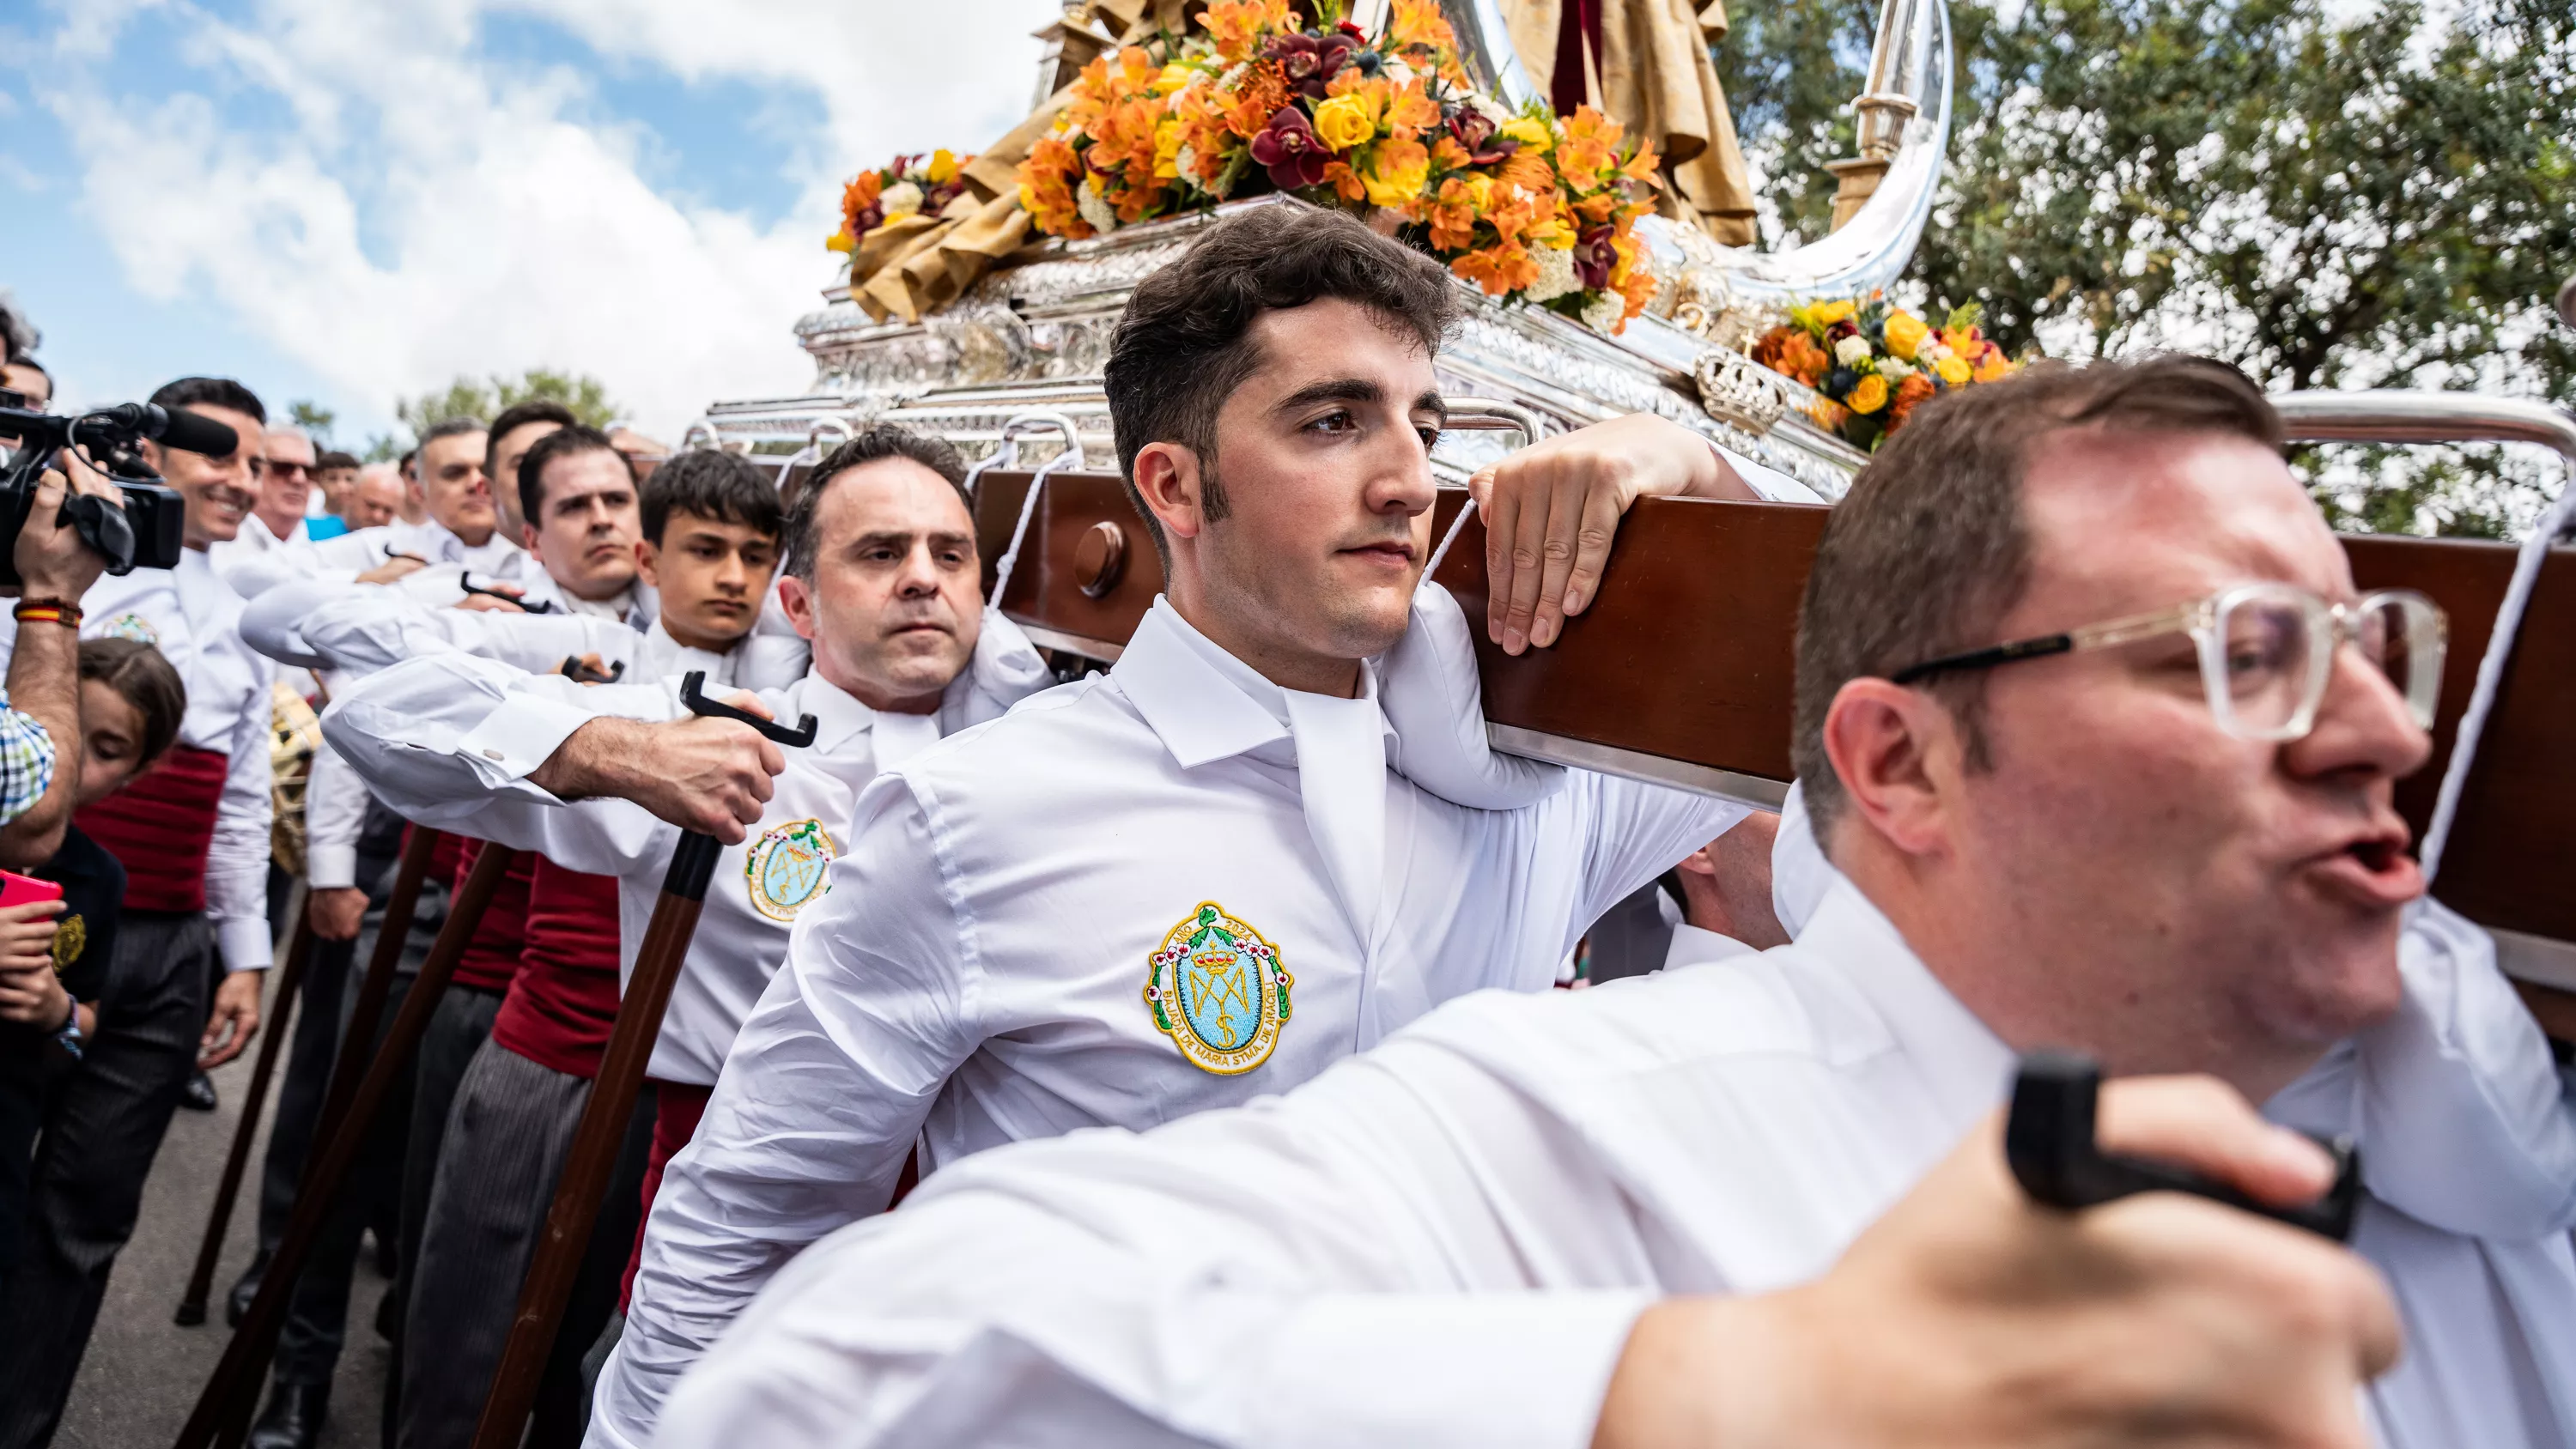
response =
{"points": [[583, 523], [193, 837], [1210, 873], [883, 579], [1726, 909], [460, 533], [2064, 812]]}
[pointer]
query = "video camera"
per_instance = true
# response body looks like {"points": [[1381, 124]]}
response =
{"points": [[146, 533]]}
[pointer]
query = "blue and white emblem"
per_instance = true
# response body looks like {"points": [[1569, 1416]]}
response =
{"points": [[132, 626], [1217, 990], [787, 867]]}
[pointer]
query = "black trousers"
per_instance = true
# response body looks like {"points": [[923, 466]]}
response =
{"points": [[101, 1132]]}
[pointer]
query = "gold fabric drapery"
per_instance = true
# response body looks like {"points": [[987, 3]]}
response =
{"points": [[1654, 76]]}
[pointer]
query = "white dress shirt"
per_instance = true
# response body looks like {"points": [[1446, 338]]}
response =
{"points": [[193, 619], [979, 973], [342, 558], [1696, 946], [1447, 1240], [447, 739]]}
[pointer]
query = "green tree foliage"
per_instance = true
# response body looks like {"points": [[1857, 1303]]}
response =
{"points": [[314, 419], [2380, 200], [484, 399]]}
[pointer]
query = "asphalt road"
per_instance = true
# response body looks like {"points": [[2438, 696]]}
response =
{"points": [[142, 1373]]}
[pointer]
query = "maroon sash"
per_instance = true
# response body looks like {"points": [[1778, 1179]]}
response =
{"points": [[564, 1000], [160, 826]]}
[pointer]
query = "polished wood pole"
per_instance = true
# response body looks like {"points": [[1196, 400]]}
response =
{"points": [[219, 1214], [224, 1407]]}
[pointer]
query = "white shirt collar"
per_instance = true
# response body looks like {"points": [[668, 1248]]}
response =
{"points": [[1968, 1066], [1202, 702]]}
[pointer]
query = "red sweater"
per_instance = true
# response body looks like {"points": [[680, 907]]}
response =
{"points": [[561, 1007], [492, 955]]}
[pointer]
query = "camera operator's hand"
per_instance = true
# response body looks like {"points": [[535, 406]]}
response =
{"points": [[233, 1022], [52, 561], [335, 911], [401, 565]]}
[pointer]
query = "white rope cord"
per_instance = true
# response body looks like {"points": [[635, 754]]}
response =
{"points": [[2491, 666], [1020, 530], [1457, 526]]}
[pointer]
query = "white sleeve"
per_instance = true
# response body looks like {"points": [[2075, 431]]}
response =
{"points": [[448, 740], [1351, 1265], [2465, 1120], [1774, 485], [335, 812], [237, 857], [1637, 832], [821, 1098], [362, 629], [333, 560]]}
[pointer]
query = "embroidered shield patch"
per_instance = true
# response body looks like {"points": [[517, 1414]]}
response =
{"points": [[70, 939], [132, 626], [1218, 990], [788, 866]]}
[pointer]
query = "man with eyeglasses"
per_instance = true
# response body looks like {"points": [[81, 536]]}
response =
{"points": [[2100, 743]]}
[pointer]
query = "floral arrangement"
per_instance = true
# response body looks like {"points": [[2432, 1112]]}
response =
{"points": [[1875, 363], [1529, 206], [910, 185]]}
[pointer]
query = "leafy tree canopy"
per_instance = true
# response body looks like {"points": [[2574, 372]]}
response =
{"points": [[484, 399], [2384, 201]]}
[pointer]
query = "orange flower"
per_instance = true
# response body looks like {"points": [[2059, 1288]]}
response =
{"points": [[1418, 24], [1634, 284], [1641, 167], [1500, 269], [1796, 355], [1412, 109], [1257, 97], [1529, 171], [1346, 182], [1448, 155], [1237, 26], [1453, 217], [1398, 168], [1047, 179], [1590, 149], [1909, 393]]}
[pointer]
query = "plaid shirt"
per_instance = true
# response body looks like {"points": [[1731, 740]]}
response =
{"points": [[26, 761]]}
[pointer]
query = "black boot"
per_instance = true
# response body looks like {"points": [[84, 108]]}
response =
{"points": [[237, 1302], [199, 1094], [293, 1418]]}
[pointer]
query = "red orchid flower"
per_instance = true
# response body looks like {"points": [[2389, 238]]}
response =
{"points": [[1311, 61], [1475, 131], [1594, 256], [1289, 146]]}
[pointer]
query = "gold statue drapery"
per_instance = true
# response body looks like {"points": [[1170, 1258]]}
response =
{"points": [[1653, 75]]}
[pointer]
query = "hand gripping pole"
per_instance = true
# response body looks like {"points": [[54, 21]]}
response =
{"points": [[592, 1159]]}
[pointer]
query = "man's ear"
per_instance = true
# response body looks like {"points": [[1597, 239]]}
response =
{"points": [[646, 557], [1168, 479], [528, 537], [796, 600], [1897, 752], [1697, 863]]}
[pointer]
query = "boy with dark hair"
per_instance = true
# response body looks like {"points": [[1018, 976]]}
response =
{"points": [[336, 474], [193, 837], [1285, 888]]}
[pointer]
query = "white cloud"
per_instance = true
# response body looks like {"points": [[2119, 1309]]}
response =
{"points": [[424, 210]]}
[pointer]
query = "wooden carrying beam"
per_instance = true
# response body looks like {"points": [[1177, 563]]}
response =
{"points": [[1681, 671]]}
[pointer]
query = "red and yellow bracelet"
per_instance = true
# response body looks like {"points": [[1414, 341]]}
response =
{"points": [[47, 611]]}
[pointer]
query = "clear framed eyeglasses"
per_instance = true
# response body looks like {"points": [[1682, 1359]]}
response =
{"points": [[2266, 651]]}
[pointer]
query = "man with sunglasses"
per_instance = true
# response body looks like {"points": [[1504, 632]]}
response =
{"points": [[1761, 1201]]}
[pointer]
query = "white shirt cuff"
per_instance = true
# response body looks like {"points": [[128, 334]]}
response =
{"points": [[516, 738], [1774, 485], [244, 944], [330, 867], [1443, 1369]]}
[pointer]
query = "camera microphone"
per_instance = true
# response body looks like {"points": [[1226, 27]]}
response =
{"points": [[178, 428]]}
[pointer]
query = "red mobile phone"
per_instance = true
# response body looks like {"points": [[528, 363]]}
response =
{"points": [[17, 890]]}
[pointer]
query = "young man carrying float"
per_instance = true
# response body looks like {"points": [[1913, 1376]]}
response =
{"points": [[2101, 743], [1227, 801], [882, 579], [193, 838]]}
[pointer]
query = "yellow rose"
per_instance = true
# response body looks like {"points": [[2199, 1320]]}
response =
{"points": [[1952, 370], [943, 166], [1905, 332], [1829, 313], [1397, 183], [1532, 134], [1344, 122], [1868, 395], [1171, 78], [840, 241]]}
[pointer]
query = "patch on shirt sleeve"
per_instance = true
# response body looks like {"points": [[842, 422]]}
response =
{"points": [[1218, 991], [132, 626], [787, 867]]}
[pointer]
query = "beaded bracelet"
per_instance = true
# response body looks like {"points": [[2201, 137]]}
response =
{"points": [[47, 611]]}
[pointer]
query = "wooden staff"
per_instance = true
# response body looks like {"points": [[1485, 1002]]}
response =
{"points": [[219, 1215], [593, 1157], [224, 1407], [369, 1009]]}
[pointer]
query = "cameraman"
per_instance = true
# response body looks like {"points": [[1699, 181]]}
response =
{"points": [[193, 837], [42, 697]]}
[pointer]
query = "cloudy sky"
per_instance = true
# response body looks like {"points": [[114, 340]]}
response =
{"points": [[354, 200]]}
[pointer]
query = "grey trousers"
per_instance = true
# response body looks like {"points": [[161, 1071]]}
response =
{"points": [[457, 1030], [101, 1132], [506, 1139]]}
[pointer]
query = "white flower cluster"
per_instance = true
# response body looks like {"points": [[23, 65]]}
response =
{"points": [[1852, 351], [901, 199], [1895, 368], [1556, 274], [1095, 208], [1602, 313]]}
